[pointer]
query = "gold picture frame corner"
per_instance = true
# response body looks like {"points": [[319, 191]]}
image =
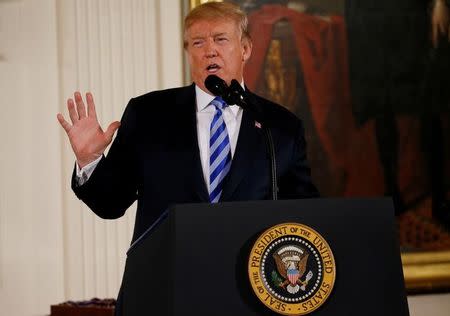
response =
{"points": [[194, 3], [426, 271]]}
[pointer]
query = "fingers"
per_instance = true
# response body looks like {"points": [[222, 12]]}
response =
{"points": [[80, 105], [72, 111], [112, 129], [77, 109], [63, 122], [91, 105]]}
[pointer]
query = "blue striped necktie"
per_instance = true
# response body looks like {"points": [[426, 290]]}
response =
{"points": [[219, 151]]}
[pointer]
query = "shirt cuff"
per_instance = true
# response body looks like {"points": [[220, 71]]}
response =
{"points": [[85, 173]]}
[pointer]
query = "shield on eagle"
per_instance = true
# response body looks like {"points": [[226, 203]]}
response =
{"points": [[293, 275]]}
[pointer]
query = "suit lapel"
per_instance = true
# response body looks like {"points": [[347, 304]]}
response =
{"points": [[248, 145], [188, 119]]}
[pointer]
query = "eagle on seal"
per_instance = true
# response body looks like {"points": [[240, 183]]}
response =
{"points": [[291, 265]]}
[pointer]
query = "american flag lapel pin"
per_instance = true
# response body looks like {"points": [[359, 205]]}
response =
{"points": [[257, 124]]}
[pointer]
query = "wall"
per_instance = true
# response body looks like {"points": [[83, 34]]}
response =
{"points": [[31, 243], [52, 248], [429, 305]]}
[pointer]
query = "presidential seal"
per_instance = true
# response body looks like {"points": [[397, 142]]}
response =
{"points": [[291, 269]]}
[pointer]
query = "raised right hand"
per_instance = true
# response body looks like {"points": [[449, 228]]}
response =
{"points": [[86, 136]]}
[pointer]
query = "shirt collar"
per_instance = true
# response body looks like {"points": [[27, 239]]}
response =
{"points": [[204, 99]]}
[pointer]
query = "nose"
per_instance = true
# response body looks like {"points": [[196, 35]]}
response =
{"points": [[210, 49]]}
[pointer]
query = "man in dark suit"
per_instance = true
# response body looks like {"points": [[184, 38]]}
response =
{"points": [[165, 149]]}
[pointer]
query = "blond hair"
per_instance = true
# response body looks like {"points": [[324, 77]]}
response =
{"points": [[217, 11]]}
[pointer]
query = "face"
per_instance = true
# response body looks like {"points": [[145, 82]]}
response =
{"points": [[216, 48]]}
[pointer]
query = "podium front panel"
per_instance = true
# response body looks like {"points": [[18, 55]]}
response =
{"points": [[212, 244]]}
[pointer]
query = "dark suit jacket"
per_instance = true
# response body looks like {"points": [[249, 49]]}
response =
{"points": [[155, 159]]}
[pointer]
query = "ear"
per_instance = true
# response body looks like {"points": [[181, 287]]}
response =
{"points": [[246, 49]]}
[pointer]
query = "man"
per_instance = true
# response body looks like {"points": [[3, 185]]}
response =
{"points": [[166, 151], [161, 154]]}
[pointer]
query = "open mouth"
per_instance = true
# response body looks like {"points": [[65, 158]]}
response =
{"points": [[213, 68]]}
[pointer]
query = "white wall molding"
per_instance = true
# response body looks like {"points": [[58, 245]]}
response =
{"points": [[52, 247]]}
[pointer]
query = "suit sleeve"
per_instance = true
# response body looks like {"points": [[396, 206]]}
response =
{"points": [[112, 187], [296, 182]]}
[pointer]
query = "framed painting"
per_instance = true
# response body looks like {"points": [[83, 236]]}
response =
{"points": [[370, 81]]}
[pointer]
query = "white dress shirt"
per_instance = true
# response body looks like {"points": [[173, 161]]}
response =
{"points": [[232, 115]]}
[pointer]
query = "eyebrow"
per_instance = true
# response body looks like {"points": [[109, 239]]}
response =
{"points": [[204, 36]]}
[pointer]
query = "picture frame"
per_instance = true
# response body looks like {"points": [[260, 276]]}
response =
{"points": [[424, 271]]}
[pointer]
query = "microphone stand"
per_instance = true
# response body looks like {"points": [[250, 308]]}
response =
{"points": [[273, 164], [236, 95]]}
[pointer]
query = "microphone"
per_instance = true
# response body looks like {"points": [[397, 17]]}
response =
{"points": [[217, 86], [233, 94], [240, 97], [236, 93]]}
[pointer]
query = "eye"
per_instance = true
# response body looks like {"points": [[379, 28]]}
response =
{"points": [[197, 43], [221, 39]]}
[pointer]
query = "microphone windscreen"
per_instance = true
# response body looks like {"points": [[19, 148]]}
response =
{"points": [[216, 85], [236, 87]]}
